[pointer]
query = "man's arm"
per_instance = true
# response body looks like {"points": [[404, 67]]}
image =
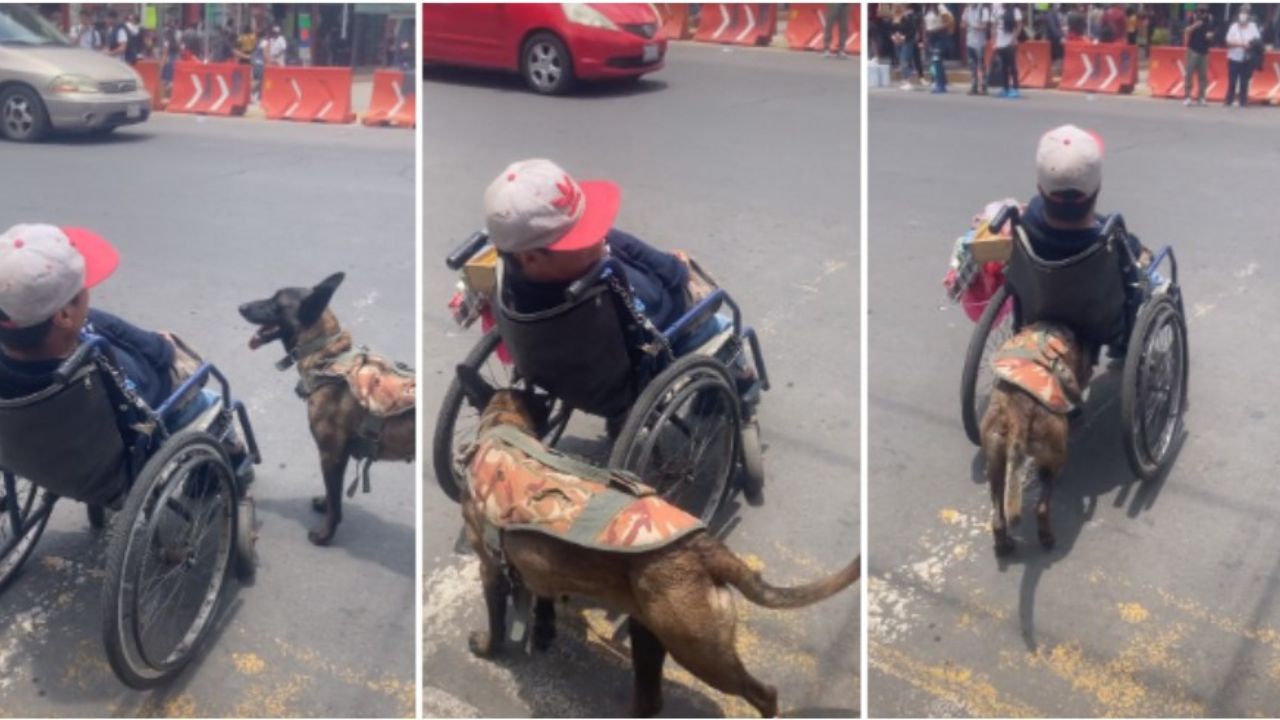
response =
{"points": [[666, 266], [153, 346]]}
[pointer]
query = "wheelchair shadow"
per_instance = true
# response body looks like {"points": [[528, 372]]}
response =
{"points": [[1096, 465], [362, 534]]}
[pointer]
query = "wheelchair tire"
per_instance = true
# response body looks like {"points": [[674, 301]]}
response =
{"points": [[97, 516], [752, 464], [444, 438], [1149, 457], [973, 400], [191, 466], [246, 540], [701, 380], [17, 543]]}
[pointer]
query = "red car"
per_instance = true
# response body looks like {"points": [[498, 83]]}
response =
{"points": [[551, 45]]}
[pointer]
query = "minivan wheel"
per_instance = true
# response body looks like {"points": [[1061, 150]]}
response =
{"points": [[22, 115], [546, 64]]}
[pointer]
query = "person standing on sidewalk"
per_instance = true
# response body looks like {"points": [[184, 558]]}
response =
{"points": [[904, 43], [837, 18], [1008, 21], [977, 32], [935, 33], [1243, 50], [1198, 37]]}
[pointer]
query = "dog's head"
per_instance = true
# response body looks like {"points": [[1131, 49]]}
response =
{"points": [[290, 312], [503, 406]]}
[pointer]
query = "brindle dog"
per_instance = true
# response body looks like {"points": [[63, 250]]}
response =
{"points": [[301, 320], [1020, 436], [677, 597]]}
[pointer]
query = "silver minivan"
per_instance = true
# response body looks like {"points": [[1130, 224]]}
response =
{"points": [[47, 84]]}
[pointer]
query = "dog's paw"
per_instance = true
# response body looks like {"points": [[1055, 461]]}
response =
{"points": [[1004, 546], [543, 635], [482, 645], [320, 537], [1046, 539], [646, 708], [320, 503]]}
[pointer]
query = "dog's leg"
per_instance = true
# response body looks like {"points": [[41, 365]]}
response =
{"points": [[995, 480], [333, 463], [497, 587], [544, 623], [647, 657], [1044, 525]]}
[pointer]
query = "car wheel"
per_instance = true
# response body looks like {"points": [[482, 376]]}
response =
{"points": [[546, 64], [22, 115]]}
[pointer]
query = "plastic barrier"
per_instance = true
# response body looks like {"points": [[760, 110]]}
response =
{"points": [[1035, 64], [307, 94], [209, 88], [854, 46], [675, 20], [807, 24], [1265, 85], [1099, 68], [738, 24], [150, 72], [1166, 74], [393, 102]]}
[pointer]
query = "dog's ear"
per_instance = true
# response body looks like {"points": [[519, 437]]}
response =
{"points": [[317, 300], [477, 391]]}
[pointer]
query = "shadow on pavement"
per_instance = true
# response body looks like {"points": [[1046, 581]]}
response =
{"points": [[512, 82], [118, 137], [362, 534]]}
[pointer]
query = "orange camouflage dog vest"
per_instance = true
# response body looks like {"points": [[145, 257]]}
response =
{"points": [[1035, 360], [521, 485], [382, 387]]}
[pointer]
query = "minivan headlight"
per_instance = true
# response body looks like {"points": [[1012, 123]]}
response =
{"points": [[74, 84], [583, 14]]}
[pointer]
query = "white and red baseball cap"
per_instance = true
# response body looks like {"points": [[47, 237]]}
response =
{"points": [[44, 267], [1069, 160], [536, 204]]}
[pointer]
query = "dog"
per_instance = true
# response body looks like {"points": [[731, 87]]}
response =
{"points": [[1039, 375], [345, 389], [676, 594]]}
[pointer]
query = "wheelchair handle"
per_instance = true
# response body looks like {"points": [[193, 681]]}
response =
{"points": [[1113, 225], [1007, 213], [467, 250], [72, 364], [598, 272]]}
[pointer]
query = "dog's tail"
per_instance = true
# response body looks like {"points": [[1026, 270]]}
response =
{"points": [[1018, 466], [725, 567]]}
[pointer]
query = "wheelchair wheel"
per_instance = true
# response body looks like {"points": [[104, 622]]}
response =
{"points": [[457, 421], [24, 513], [1153, 394], [168, 559], [752, 464], [681, 437], [995, 326], [246, 539]]}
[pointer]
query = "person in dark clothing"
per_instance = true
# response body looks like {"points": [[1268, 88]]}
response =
{"points": [[1198, 37]]}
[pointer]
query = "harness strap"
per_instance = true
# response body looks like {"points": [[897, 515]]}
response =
{"points": [[621, 479], [307, 348]]}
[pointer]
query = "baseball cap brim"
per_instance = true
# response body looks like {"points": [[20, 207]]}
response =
{"points": [[100, 258], [603, 199]]}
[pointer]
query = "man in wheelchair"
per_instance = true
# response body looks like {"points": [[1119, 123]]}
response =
{"points": [[46, 273]]}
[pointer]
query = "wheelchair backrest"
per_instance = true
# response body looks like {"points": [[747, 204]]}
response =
{"points": [[1085, 292], [66, 438], [578, 351]]}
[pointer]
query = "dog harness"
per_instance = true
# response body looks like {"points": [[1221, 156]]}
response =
{"points": [[1035, 360], [385, 389], [522, 485]]}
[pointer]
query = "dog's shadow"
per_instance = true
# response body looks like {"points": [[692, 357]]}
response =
{"points": [[1096, 465], [362, 534]]}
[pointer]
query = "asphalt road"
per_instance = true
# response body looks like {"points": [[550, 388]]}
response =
{"points": [[1158, 600], [748, 160], [208, 214]]}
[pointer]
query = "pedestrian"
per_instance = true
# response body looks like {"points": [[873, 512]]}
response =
{"points": [[170, 51], [125, 39], [274, 47], [837, 18], [1198, 37], [904, 42], [1095, 23], [1054, 33], [935, 30], [1008, 19], [976, 21], [84, 34], [1131, 26], [1244, 50]]}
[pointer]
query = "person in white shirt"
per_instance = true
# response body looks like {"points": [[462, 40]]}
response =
{"points": [[977, 30], [1008, 20], [1240, 57], [274, 47], [84, 33]]}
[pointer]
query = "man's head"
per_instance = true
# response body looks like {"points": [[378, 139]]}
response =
{"points": [[552, 226], [1069, 173], [45, 276], [112, 15]]}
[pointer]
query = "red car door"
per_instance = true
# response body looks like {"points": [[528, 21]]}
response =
{"points": [[466, 34]]}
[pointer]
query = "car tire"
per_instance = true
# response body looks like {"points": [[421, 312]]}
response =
{"points": [[546, 64], [22, 115]]}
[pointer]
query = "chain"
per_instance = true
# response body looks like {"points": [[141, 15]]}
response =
{"points": [[658, 345]]}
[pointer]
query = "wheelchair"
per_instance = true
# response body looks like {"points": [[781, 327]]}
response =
{"points": [[683, 424], [185, 517], [1106, 299]]}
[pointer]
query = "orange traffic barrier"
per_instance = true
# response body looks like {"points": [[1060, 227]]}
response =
{"points": [[1265, 85], [1034, 64], [307, 94], [1099, 68], [807, 26], [675, 20], [209, 88], [854, 46], [393, 102], [149, 70], [738, 23]]}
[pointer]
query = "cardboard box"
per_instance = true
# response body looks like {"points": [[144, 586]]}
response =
{"points": [[481, 272], [987, 246]]}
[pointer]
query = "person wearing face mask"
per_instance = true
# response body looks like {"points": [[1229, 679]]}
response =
{"points": [[1244, 46]]}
